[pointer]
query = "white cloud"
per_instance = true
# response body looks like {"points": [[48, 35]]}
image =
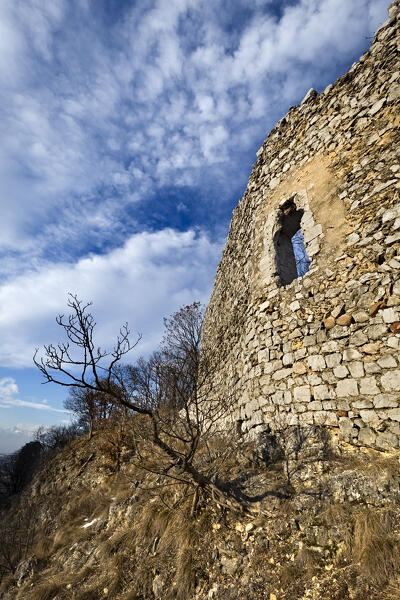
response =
{"points": [[9, 397], [169, 88], [151, 276]]}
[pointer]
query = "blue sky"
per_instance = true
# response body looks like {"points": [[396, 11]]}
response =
{"points": [[128, 134]]}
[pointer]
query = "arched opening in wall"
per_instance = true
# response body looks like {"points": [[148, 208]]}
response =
{"points": [[290, 251]]}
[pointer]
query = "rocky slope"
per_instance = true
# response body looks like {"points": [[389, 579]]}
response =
{"points": [[324, 524]]}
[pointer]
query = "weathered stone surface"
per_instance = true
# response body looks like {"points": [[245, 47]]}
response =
{"points": [[356, 369], [386, 401], [321, 392], [316, 363], [324, 347], [391, 381], [341, 371], [302, 393], [347, 387], [387, 362], [367, 436], [368, 386], [390, 315]]}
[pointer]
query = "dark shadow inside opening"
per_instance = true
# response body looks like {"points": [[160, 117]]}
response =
{"points": [[290, 252]]}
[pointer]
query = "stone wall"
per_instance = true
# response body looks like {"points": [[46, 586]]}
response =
{"points": [[323, 349]]}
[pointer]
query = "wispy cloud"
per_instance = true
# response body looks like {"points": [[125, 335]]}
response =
{"points": [[98, 116], [9, 398]]}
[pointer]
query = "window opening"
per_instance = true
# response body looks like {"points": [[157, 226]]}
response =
{"points": [[290, 251]]}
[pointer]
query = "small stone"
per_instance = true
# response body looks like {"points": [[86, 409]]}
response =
{"points": [[395, 327], [391, 214], [294, 306], [341, 371], [329, 323], [391, 381], [299, 368], [390, 315], [371, 348], [344, 320], [377, 106], [375, 307]]}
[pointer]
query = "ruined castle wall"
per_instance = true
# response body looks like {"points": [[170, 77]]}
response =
{"points": [[324, 349]]}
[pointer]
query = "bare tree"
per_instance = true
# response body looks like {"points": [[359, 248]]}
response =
{"points": [[92, 408], [172, 393]]}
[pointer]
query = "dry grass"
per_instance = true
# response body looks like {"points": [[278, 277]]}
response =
{"points": [[7, 581], [46, 590], [375, 547], [43, 547]]}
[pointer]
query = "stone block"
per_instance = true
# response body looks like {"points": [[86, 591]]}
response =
{"points": [[314, 405], [371, 368], [394, 414], [390, 315], [391, 381], [302, 393], [281, 374], [338, 332], [371, 348], [299, 368], [351, 354], [356, 369], [321, 392], [347, 387], [314, 379], [316, 363], [311, 233], [369, 416], [358, 339], [333, 360], [375, 332], [288, 359], [367, 436], [368, 386], [386, 401], [341, 371], [386, 441], [330, 346], [362, 403]]}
